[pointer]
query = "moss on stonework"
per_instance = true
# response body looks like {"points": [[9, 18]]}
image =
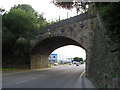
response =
{"points": [[110, 14]]}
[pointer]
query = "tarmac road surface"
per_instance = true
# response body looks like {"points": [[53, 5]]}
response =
{"points": [[62, 76]]}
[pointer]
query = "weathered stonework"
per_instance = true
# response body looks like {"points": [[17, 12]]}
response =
{"points": [[103, 64], [103, 60], [39, 61], [85, 31], [78, 32]]}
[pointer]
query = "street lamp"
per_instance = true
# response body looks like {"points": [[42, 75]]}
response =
{"points": [[49, 33], [82, 24]]}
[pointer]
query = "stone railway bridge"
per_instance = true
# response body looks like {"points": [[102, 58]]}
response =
{"points": [[74, 31], [86, 31]]}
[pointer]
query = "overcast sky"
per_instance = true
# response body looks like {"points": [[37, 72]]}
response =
{"points": [[51, 12], [71, 51]]}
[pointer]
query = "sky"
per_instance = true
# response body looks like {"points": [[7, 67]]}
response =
{"points": [[71, 51], [51, 12]]}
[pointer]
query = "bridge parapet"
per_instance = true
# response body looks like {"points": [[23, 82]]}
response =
{"points": [[63, 23], [59, 26]]}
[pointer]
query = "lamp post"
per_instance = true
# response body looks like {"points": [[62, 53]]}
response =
{"points": [[49, 33]]}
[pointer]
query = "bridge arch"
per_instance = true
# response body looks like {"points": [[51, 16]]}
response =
{"points": [[67, 32], [40, 53], [48, 45]]}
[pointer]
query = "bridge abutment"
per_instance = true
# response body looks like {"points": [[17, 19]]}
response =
{"points": [[39, 61], [86, 31]]}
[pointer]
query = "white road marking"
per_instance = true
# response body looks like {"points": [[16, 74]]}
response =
{"points": [[82, 74], [25, 81]]}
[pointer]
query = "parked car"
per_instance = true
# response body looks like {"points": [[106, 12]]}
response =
{"points": [[74, 62], [55, 64], [81, 62], [77, 64]]}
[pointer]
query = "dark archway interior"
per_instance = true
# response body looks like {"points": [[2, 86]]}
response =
{"points": [[45, 47]]}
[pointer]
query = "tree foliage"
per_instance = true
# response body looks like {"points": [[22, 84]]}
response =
{"points": [[78, 59], [80, 6], [21, 21], [25, 7], [110, 14], [2, 10]]}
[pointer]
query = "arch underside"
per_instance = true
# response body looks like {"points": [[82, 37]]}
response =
{"points": [[39, 55], [45, 47]]}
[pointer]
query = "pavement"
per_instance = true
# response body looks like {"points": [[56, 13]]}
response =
{"points": [[85, 82], [21, 70], [68, 76]]}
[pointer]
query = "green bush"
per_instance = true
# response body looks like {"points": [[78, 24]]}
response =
{"points": [[110, 14]]}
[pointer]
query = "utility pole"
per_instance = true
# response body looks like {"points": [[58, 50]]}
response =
{"points": [[59, 17], [67, 15]]}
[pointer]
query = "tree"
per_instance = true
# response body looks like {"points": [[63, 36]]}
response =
{"points": [[78, 59], [80, 6], [21, 21], [81, 59], [1, 10], [110, 14], [25, 7], [17, 23], [40, 19]]}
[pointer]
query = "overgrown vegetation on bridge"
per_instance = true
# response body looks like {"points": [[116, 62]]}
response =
{"points": [[110, 14], [22, 23]]}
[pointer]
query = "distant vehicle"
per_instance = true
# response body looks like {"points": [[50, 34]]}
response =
{"points": [[82, 62], [74, 62], [55, 64], [70, 63], [77, 64]]}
